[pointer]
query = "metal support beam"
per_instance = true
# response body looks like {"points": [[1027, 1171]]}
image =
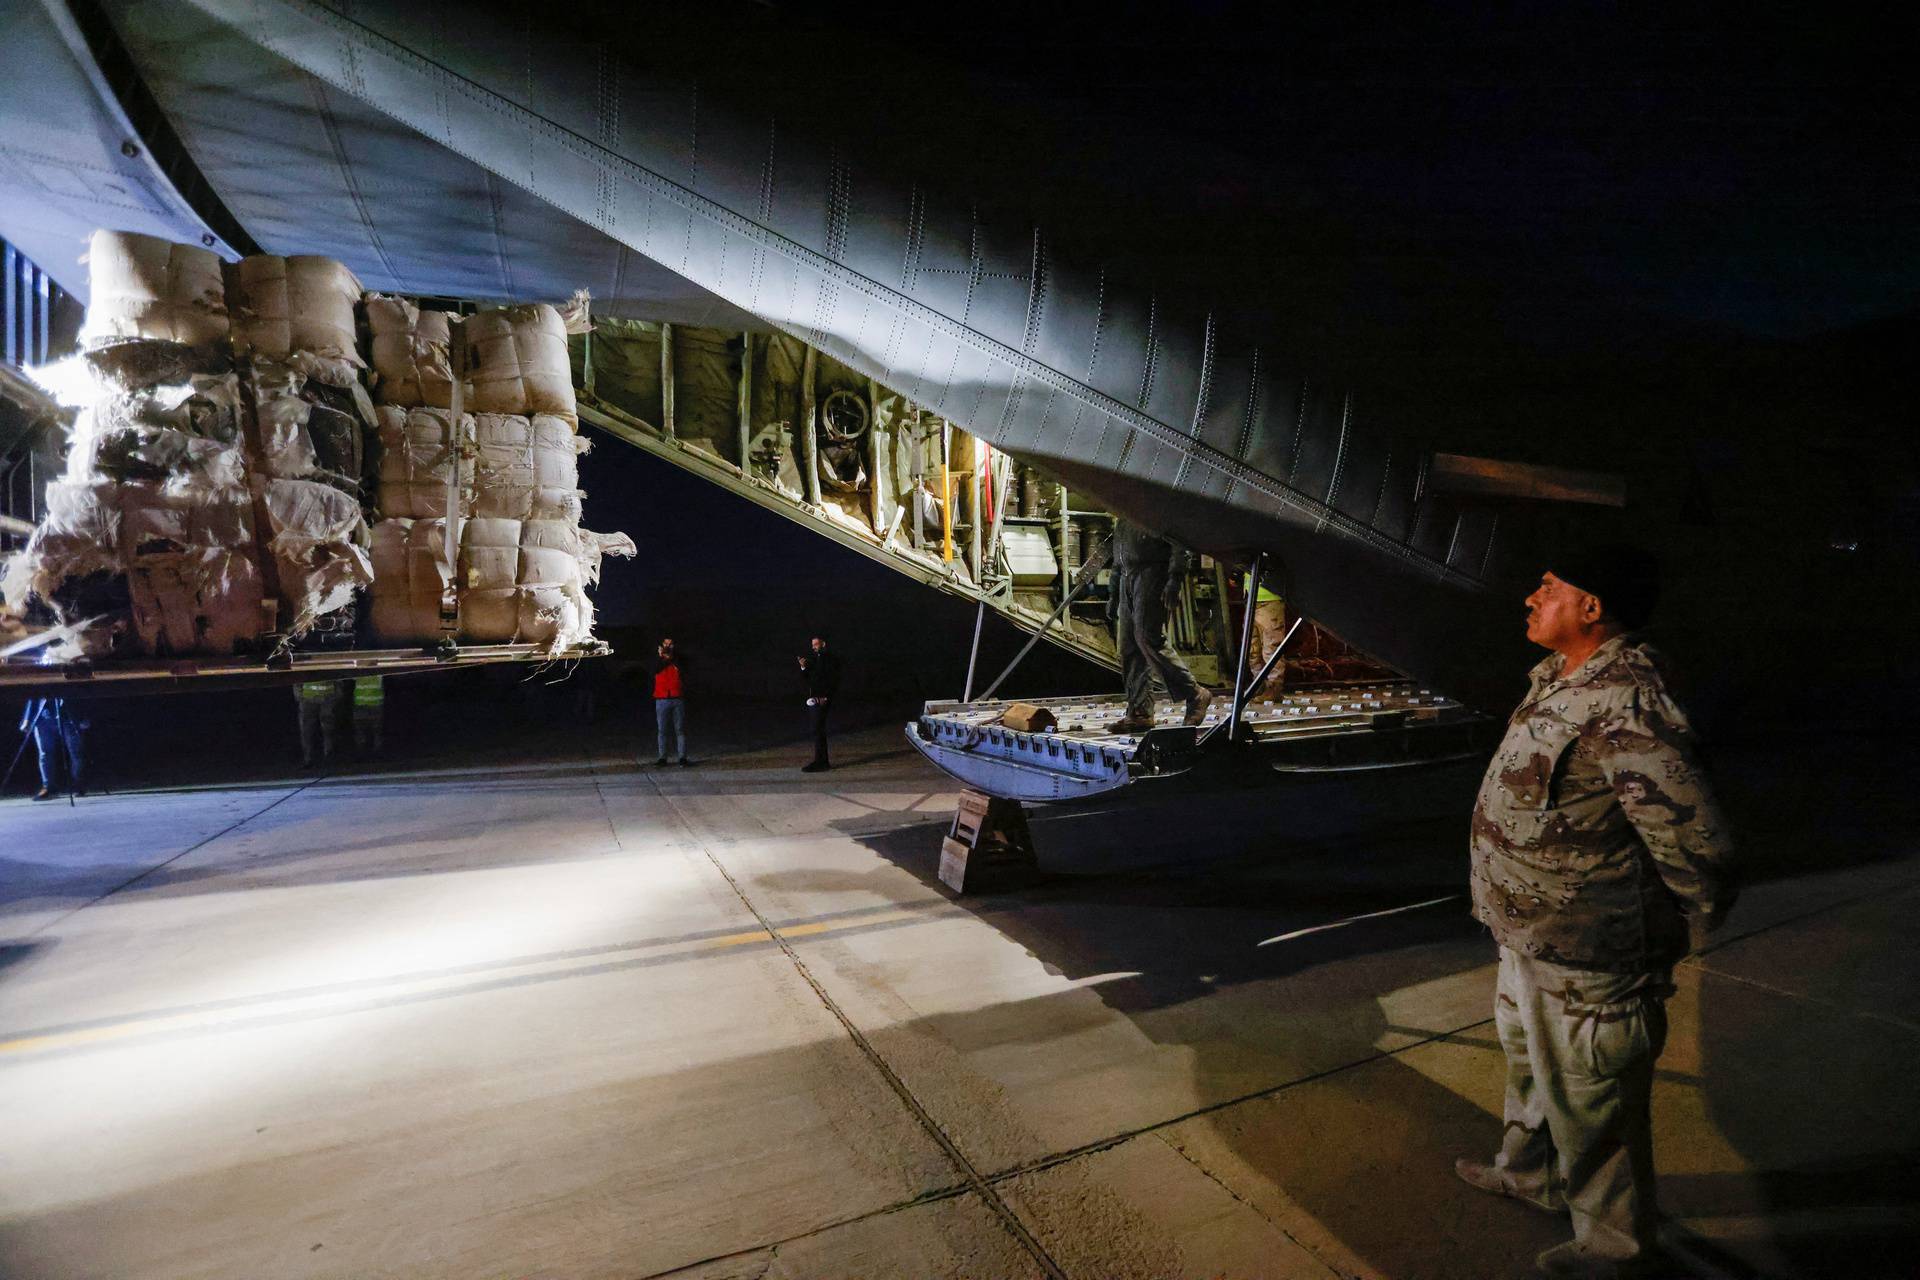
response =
{"points": [[973, 654], [746, 402], [1241, 699], [975, 506], [1066, 572], [1273, 660], [809, 428], [666, 380], [946, 490], [919, 468], [1003, 467]]}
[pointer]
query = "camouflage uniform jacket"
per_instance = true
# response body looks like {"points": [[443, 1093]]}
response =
{"points": [[1595, 833]]}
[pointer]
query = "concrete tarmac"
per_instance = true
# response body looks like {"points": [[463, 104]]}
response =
{"points": [[576, 1017]]}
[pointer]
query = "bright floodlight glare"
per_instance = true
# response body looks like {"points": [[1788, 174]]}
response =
{"points": [[68, 381]]}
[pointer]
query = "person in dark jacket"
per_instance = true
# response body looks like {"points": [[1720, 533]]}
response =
{"points": [[820, 670], [669, 701]]}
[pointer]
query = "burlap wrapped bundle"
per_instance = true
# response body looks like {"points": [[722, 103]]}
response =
{"points": [[517, 361], [409, 573], [411, 352], [185, 549], [414, 461], [148, 288], [489, 577], [526, 468], [300, 310]]}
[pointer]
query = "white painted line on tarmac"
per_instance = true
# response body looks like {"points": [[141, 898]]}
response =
{"points": [[1371, 915]]}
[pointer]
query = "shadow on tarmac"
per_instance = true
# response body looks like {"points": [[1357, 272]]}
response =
{"points": [[1183, 896]]}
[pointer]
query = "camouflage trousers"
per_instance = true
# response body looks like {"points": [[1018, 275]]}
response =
{"points": [[1580, 1048], [1269, 629]]}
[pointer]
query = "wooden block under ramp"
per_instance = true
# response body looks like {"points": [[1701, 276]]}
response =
{"points": [[989, 841], [1027, 717]]}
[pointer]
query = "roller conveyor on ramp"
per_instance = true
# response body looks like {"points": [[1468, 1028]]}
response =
{"points": [[1383, 725]]}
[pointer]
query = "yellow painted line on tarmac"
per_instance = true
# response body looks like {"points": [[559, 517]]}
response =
{"points": [[356, 1000]]}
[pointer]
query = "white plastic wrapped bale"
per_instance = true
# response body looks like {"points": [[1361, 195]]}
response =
{"points": [[517, 361], [409, 573], [315, 539], [186, 551], [299, 310], [144, 287], [414, 462], [159, 519], [523, 582], [79, 535], [411, 360], [189, 553], [526, 468], [185, 433], [286, 450]]}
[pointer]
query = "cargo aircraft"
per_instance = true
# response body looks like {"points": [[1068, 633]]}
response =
{"points": [[956, 299]]}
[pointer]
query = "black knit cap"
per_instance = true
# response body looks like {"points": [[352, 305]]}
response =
{"points": [[1625, 578]]}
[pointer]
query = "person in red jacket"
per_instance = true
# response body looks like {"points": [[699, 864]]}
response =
{"points": [[669, 701]]}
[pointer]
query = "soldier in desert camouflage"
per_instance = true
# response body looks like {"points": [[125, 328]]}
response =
{"points": [[1596, 847]]}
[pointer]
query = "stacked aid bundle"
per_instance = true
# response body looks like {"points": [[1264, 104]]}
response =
{"points": [[527, 467], [524, 562], [416, 453], [295, 334], [207, 502], [218, 492], [412, 360], [150, 529], [300, 310], [518, 361]]}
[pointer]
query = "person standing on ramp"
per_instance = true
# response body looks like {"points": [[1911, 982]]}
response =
{"points": [[1147, 571]]}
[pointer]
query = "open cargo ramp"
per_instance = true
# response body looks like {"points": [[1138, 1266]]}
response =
{"points": [[1373, 726]]}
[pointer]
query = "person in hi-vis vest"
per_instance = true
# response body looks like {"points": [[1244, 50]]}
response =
{"points": [[1269, 629]]}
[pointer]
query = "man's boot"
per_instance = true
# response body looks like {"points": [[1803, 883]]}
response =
{"points": [[1570, 1261], [1482, 1176], [1197, 705]]}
